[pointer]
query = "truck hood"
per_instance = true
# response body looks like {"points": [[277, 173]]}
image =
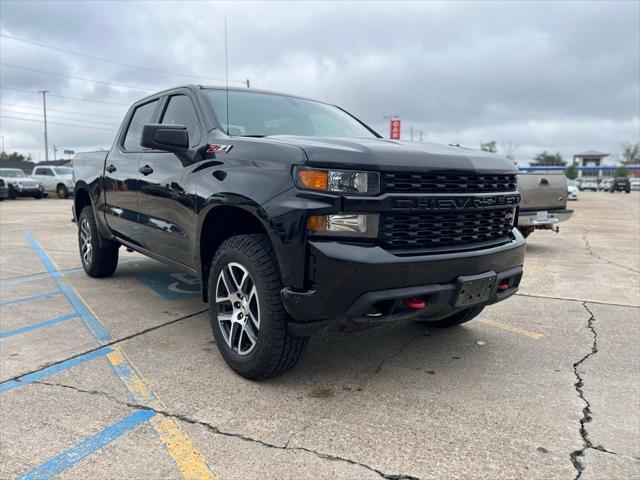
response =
{"points": [[383, 154]]}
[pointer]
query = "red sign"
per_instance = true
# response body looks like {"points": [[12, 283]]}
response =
{"points": [[394, 129]]}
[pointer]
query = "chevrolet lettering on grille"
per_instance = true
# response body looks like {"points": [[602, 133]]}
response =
{"points": [[455, 203]]}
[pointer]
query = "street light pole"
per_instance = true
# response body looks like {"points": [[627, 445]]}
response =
{"points": [[44, 109]]}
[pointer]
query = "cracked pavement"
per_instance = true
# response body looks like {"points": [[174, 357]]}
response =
{"points": [[404, 401]]}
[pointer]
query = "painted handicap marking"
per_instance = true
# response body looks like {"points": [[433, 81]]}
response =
{"points": [[171, 286]]}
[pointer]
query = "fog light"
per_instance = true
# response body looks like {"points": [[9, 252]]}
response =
{"points": [[344, 225]]}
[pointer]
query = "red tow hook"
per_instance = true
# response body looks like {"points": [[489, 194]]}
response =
{"points": [[415, 303], [503, 286]]}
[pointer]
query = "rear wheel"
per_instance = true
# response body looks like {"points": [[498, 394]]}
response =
{"points": [[247, 316], [99, 256], [457, 318], [62, 191]]}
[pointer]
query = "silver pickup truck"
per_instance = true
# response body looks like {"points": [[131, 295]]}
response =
{"points": [[544, 202]]}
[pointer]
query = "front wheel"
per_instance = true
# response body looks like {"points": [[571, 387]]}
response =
{"points": [[62, 191], [99, 256], [457, 318], [247, 316]]}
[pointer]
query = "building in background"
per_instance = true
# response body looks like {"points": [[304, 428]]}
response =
{"points": [[591, 161]]}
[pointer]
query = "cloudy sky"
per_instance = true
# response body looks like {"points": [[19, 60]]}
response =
{"points": [[557, 76]]}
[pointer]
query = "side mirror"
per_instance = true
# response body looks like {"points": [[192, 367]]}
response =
{"points": [[171, 138]]}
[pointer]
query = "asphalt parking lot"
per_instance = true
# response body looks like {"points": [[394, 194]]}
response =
{"points": [[120, 377]]}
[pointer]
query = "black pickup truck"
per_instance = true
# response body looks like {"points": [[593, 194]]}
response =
{"points": [[298, 218]]}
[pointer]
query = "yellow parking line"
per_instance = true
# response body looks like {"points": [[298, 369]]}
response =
{"points": [[190, 461], [510, 328]]}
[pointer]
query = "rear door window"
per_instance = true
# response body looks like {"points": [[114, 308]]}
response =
{"points": [[142, 116]]}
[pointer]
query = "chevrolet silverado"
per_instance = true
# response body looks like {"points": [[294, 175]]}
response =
{"points": [[298, 218]]}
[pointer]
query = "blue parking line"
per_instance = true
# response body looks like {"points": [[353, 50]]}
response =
{"points": [[37, 326], [30, 298], [94, 325], [86, 447], [53, 369]]}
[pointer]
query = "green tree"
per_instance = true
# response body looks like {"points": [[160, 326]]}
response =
{"points": [[546, 159], [489, 146], [621, 172], [571, 172], [631, 153], [12, 156]]}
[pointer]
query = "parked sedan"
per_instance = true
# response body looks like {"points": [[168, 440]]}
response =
{"points": [[20, 185], [572, 190]]}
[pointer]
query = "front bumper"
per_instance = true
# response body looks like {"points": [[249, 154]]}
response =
{"points": [[529, 218], [27, 192], [351, 280]]}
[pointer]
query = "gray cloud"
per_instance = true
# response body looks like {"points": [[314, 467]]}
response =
{"points": [[556, 76]]}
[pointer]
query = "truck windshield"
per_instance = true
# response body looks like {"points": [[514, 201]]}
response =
{"points": [[11, 173], [258, 114]]}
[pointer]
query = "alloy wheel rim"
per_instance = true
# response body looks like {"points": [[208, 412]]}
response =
{"points": [[238, 308], [86, 246]]}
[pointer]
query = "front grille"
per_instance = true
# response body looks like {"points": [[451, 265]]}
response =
{"points": [[407, 182], [445, 229]]}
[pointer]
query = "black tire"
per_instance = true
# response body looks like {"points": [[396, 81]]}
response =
{"points": [[526, 231], [37, 196], [62, 191], [12, 194], [457, 318], [275, 349], [103, 260]]}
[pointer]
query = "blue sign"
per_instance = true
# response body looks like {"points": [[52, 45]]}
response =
{"points": [[171, 286]]}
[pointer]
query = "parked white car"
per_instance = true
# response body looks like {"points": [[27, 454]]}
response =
{"points": [[589, 184], [572, 190], [635, 184], [55, 179], [20, 185]]}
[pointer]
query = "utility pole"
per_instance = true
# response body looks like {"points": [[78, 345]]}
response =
{"points": [[44, 108]]}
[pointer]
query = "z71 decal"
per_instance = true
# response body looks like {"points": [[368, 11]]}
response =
{"points": [[219, 148]]}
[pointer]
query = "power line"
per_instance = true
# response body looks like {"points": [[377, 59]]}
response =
{"points": [[57, 123], [72, 77], [67, 98], [115, 62], [60, 118], [32, 107]]}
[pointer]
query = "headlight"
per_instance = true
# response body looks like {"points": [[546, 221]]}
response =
{"points": [[344, 225], [338, 181]]}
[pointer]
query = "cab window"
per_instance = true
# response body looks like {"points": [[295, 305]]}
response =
{"points": [[180, 111], [44, 171]]}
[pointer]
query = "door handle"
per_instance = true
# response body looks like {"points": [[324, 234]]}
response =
{"points": [[146, 170], [111, 168]]}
